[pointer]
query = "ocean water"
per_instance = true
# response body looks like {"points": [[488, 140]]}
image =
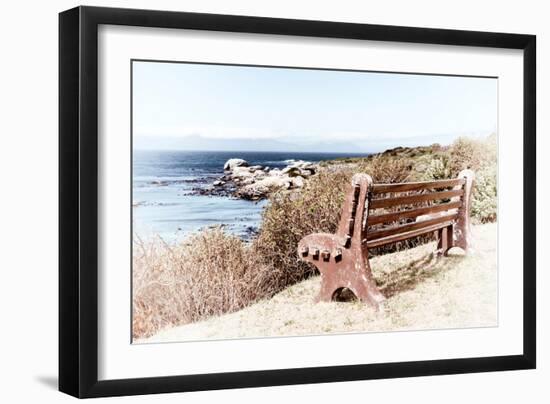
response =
{"points": [[164, 203]]}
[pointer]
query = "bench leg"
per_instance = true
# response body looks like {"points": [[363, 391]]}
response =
{"points": [[445, 240], [439, 237], [462, 230], [366, 289], [450, 240], [340, 267], [354, 274]]}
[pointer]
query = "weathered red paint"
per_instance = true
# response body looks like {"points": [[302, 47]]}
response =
{"points": [[344, 262], [343, 258]]}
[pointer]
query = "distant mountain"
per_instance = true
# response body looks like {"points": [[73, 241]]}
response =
{"points": [[242, 144], [290, 144]]}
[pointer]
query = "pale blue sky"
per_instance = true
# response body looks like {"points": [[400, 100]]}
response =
{"points": [[209, 107]]}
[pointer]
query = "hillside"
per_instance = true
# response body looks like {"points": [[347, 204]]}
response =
{"points": [[423, 292]]}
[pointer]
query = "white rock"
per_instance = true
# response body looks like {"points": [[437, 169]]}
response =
{"points": [[264, 186], [232, 163], [241, 172], [301, 164], [298, 182], [273, 182], [292, 171]]}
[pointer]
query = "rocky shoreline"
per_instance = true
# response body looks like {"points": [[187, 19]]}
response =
{"points": [[241, 180]]}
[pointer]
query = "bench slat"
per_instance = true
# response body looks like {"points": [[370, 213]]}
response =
{"points": [[376, 234], [404, 236], [409, 199], [412, 213], [416, 186]]}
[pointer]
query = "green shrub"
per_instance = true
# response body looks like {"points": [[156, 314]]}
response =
{"points": [[478, 155], [484, 201], [437, 169]]}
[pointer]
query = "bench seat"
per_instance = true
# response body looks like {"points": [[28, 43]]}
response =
{"points": [[375, 215]]}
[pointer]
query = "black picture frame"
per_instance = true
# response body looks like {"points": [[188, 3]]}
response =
{"points": [[78, 201]]}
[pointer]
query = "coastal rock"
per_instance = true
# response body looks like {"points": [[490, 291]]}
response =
{"points": [[248, 181], [256, 182], [306, 167], [232, 163], [241, 172], [159, 183], [298, 182], [299, 168], [260, 189], [291, 171]]}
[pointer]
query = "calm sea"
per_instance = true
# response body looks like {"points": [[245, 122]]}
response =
{"points": [[164, 203]]}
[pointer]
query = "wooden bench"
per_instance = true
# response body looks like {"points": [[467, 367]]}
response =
{"points": [[374, 215]]}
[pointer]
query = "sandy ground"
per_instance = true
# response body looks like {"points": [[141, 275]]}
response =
{"points": [[422, 291]]}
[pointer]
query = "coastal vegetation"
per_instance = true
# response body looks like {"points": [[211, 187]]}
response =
{"points": [[211, 273], [422, 292]]}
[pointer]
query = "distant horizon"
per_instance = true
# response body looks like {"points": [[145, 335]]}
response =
{"points": [[373, 150], [239, 145], [229, 107], [251, 151]]}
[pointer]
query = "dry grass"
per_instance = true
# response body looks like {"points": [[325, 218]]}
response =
{"points": [[472, 154], [423, 292], [210, 273], [387, 169]]}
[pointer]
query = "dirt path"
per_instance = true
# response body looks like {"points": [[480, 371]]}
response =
{"points": [[423, 292]]}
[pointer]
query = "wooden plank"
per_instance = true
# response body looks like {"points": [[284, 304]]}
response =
{"points": [[403, 228], [404, 236], [416, 186], [412, 213], [409, 199]]}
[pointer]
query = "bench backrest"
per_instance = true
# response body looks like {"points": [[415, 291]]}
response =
{"points": [[380, 214]]}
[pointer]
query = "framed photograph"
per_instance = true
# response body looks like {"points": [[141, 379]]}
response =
{"points": [[250, 201]]}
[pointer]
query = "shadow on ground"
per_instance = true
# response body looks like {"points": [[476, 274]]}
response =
{"points": [[407, 277]]}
